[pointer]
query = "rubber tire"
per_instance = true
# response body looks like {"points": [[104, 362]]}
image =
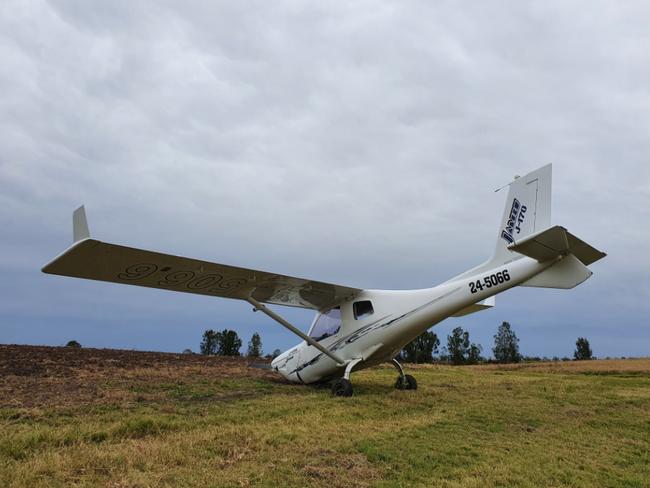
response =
{"points": [[342, 387], [411, 384], [406, 383]]}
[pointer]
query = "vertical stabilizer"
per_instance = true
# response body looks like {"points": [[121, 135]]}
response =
{"points": [[527, 210]]}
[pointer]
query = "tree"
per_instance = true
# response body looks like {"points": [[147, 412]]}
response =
{"points": [[255, 346], [276, 353], [457, 345], [506, 345], [421, 349], [187, 351], [444, 355], [228, 343], [583, 351], [460, 350], [73, 343], [474, 354], [209, 342]]}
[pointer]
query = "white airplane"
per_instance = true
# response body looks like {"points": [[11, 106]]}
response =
{"points": [[354, 328]]}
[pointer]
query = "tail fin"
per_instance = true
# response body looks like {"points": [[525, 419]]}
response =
{"points": [[527, 210], [525, 230]]}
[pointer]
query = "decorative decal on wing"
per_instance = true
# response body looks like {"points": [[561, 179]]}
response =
{"points": [[207, 283]]}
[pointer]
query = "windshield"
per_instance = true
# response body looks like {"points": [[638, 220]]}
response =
{"points": [[327, 324]]}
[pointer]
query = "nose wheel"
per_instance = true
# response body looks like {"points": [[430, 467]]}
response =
{"points": [[404, 381], [342, 387]]}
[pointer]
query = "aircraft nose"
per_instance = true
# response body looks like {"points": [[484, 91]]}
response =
{"points": [[286, 364], [275, 364]]}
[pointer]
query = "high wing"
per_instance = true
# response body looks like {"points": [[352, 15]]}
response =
{"points": [[95, 260]]}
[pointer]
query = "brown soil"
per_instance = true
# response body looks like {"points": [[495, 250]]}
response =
{"points": [[40, 376]]}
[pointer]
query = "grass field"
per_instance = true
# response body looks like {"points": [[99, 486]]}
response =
{"points": [[125, 419]]}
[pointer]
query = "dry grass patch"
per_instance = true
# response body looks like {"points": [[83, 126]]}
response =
{"points": [[150, 420]]}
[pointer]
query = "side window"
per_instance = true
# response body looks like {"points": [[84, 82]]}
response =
{"points": [[362, 309], [327, 324]]}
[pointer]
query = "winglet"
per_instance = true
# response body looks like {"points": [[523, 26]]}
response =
{"points": [[80, 225]]}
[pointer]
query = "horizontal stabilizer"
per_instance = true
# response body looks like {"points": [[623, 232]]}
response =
{"points": [[565, 274], [553, 242], [477, 307]]}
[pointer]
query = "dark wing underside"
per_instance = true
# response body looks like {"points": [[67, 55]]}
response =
{"points": [[96, 260]]}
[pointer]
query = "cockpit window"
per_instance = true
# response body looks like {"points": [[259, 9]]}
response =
{"points": [[327, 324], [362, 309]]}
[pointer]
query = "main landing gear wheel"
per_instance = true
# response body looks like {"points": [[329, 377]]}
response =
{"points": [[342, 387], [406, 382]]}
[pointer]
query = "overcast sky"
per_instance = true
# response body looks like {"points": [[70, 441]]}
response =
{"points": [[358, 143]]}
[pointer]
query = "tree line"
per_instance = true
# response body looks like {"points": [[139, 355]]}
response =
{"points": [[424, 349], [228, 343], [460, 350]]}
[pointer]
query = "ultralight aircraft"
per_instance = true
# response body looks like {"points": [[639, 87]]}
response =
{"points": [[356, 328]]}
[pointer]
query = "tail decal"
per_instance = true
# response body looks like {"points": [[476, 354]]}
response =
{"points": [[517, 217], [527, 210]]}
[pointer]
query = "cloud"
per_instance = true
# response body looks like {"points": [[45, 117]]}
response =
{"points": [[356, 143]]}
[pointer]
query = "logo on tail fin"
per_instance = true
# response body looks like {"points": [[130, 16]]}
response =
{"points": [[515, 219]]}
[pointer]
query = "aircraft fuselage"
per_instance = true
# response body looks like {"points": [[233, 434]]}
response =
{"points": [[399, 316]]}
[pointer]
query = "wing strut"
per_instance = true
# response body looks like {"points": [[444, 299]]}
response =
{"points": [[262, 308]]}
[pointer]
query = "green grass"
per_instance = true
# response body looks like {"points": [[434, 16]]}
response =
{"points": [[463, 427]]}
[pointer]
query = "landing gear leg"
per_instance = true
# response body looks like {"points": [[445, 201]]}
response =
{"points": [[343, 386], [404, 381]]}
